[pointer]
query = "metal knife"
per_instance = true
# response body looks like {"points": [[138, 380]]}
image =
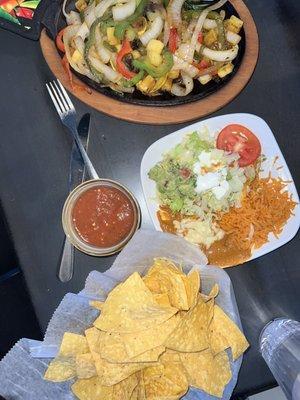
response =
{"points": [[77, 170], [76, 176]]}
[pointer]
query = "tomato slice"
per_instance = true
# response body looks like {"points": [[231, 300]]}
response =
{"points": [[239, 139]]}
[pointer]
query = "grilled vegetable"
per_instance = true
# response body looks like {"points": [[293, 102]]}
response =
{"points": [[210, 38], [90, 42], [122, 26], [220, 28], [150, 45], [121, 67], [204, 79], [221, 55], [225, 70], [147, 84], [133, 81], [154, 49], [155, 72], [173, 40]]}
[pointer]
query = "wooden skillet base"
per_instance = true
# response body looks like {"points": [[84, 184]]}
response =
{"points": [[165, 115]]}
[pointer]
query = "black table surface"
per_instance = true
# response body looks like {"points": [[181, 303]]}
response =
{"points": [[34, 161]]}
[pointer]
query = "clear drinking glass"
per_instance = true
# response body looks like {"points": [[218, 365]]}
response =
{"points": [[280, 347]]}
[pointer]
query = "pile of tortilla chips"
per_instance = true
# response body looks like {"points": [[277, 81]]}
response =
{"points": [[155, 337]]}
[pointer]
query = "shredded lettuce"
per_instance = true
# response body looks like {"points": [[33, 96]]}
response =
{"points": [[176, 176], [186, 153]]}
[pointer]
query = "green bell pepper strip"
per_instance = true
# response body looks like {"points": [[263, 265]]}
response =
{"points": [[133, 81], [155, 72], [121, 27], [81, 14], [90, 42], [109, 47], [106, 24], [220, 27]]}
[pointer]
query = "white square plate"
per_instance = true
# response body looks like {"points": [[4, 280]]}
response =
{"points": [[270, 149]]}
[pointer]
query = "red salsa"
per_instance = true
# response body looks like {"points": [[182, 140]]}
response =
{"points": [[103, 216]]}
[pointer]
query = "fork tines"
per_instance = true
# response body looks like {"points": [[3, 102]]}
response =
{"points": [[60, 97]]}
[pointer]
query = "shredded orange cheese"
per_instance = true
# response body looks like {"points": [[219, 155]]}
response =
{"points": [[265, 208]]}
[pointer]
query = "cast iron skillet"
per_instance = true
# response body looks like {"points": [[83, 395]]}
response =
{"points": [[57, 22]]}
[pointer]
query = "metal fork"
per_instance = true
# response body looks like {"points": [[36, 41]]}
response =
{"points": [[67, 114]]}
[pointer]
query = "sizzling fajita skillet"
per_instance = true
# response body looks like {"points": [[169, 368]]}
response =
{"points": [[210, 96]]}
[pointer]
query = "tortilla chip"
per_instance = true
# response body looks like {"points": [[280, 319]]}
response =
{"points": [[213, 293], [165, 263], [97, 304], [110, 373], [93, 338], [131, 307], [63, 366], [166, 380], [162, 299], [91, 389], [73, 344], [141, 394], [165, 277], [206, 371], [124, 389], [224, 333], [191, 333], [85, 366], [210, 312], [135, 394], [60, 369], [192, 287], [113, 350], [139, 343]]}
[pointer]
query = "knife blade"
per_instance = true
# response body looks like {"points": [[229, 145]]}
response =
{"points": [[77, 173], [76, 176]]}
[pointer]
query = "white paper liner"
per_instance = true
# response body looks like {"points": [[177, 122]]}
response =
{"points": [[21, 376], [22, 369]]}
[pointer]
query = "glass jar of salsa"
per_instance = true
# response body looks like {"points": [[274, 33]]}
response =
{"points": [[100, 216]]}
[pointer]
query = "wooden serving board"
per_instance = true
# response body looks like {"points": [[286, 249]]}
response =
{"points": [[168, 114]]}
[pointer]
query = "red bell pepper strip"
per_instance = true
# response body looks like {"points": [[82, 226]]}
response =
{"points": [[59, 41], [204, 64], [74, 85], [121, 67], [200, 38], [24, 12], [206, 68], [173, 40]]}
